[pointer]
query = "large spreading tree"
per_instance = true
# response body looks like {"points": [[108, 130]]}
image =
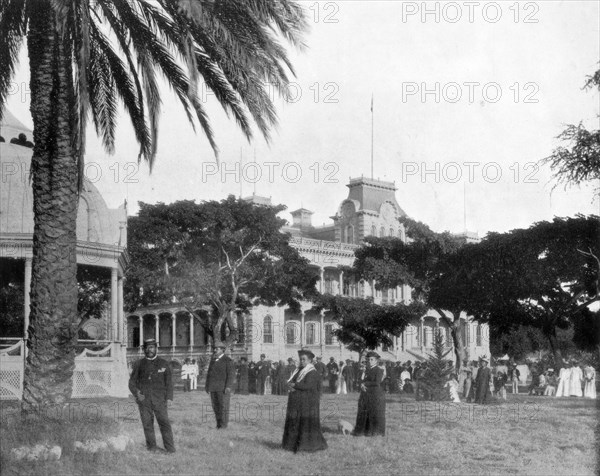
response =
{"points": [[85, 59], [546, 276], [228, 255], [390, 262]]}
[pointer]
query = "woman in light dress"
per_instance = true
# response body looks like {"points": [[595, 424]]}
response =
{"points": [[564, 378], [452, 385], [575, 380], [589, 375], [341, 381]]}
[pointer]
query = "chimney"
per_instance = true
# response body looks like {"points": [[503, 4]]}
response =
{"points": [[302, 218]]}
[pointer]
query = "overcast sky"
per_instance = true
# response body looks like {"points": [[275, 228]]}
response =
{"points": [[463, 108]]}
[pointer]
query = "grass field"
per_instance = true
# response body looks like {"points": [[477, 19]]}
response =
{"points": [[525, 435]]}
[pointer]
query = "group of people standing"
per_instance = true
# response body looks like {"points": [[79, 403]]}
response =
{"points": [[576, 380], [302, 430]]}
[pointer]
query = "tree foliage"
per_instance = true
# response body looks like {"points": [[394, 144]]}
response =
{"points": [[228, 254], [579, 161], [364, 325], [437, 371]]}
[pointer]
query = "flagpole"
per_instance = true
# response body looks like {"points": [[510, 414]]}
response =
{"points": [[240, 174], [372, 136]]}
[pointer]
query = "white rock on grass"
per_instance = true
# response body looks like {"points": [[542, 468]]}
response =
{"points": [[37, 453], [91, 446], [118, 443]]}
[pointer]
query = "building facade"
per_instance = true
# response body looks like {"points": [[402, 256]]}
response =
{"points": [[371, 209]]}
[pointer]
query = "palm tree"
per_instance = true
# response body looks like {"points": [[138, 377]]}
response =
{"points": [[86, 57]]}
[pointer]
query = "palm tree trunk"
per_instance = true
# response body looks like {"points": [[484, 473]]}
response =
{"points": [[53, 320]]}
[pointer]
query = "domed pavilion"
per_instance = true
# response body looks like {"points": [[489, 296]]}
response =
{"points": [[100, 369]]}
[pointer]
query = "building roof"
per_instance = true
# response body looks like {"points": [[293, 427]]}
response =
{"points": [[96, 223]]}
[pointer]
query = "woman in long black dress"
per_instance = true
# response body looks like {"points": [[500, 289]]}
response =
{"points": [[302, 431], [370, 419]]}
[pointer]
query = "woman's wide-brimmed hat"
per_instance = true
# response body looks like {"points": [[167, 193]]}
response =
{"points": [[306, 352]]}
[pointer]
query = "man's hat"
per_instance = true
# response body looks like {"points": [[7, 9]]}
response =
{"points": [[263, 355], [306, 352], [372, 354], [148, 342], [331, 358], [290, 359], [319, 357], [550, 370], [245, 359], [483, 358]]}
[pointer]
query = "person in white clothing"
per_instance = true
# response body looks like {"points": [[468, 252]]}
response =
{"points": [[186, 375], [564, 376], [589, 375], [341, 381], [195, 373], [452, 385], [575, 380]]}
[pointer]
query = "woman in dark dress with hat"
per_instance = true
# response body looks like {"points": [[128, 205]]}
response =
{"points": [[302, 431], [370, 419]]}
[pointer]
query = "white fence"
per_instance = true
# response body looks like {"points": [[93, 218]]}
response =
{"points": [[98, 373], [12, 358]]}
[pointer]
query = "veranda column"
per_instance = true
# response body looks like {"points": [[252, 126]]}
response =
{"points": [[191, 332], [173, 332], [121, 333], [322, 332], [157, 329], [141, 330], [114, 295], [302, 337], [322, 280], [422, 343], [27, 290], [341, 283]]}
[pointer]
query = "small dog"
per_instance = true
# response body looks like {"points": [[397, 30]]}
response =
{"points": [[345, 428]]}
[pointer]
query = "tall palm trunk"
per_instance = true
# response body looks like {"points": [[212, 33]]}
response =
{"points": [[53, 319]]}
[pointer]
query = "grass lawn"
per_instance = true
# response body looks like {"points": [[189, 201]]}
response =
{"points": [[525, 435]]}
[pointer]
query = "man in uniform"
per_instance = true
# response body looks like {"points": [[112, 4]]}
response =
{"points": [[263, 370], [219, 382], [151, 384]]}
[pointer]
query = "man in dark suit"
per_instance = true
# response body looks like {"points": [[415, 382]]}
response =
{"points": [[348, 375], [263, 370], [333, 370], [219, 382], [322, 371], [151, 383]]}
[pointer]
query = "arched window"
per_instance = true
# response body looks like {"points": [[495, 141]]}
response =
{"points": [[268, 329], [342, 235], [361, 288], [291, 333], [381, 232], [374, 230], [329, 337], [311, 333], [478, 335], [391, 231], [350, 234]]}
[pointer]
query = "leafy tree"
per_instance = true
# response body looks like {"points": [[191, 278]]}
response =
{"points": [[229, 254], [365, 325], [417, 263], [545, 276], [437, 371], [579, 162], [84, 59]]}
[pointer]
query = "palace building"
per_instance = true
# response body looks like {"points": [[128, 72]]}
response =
{"points": [[371, 209]]}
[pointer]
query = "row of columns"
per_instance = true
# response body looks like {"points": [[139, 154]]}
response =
{"points": [[173, 330]]}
